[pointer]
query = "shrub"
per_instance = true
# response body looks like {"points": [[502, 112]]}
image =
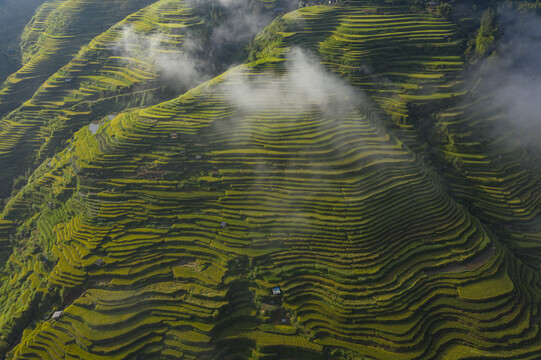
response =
{"points": [[444, 10]]}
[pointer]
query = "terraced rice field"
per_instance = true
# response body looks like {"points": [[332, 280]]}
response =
{"points": [[395, 54], [57, 32], [167, 227], [493, 174], [102, 79]]}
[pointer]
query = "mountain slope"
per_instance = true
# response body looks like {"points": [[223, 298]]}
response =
{"points": [[14, 15], [161, 232], [97, 82], [54, 36]]}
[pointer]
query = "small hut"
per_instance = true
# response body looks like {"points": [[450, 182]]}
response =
{"points": [[276, 291], [56, 315]]}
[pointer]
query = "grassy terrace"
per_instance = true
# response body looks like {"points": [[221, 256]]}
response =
{"points": [[98, 81], [56, 33], [394, 54], [493, 174], [197, 206], [353, 273]]}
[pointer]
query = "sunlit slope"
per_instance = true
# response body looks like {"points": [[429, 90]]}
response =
{"points": [[200, 205], [56, 33], [401, 57], [30, 38], [103, 78], [406, 60], [100, 80]]}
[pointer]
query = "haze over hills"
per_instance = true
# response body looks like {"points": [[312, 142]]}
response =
{"points": [[267, 180]]}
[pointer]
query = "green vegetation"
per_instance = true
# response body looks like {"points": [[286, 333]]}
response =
{"points": [[444, 10], [357, 183], [487, 32], [54, 35], [14, 15]]}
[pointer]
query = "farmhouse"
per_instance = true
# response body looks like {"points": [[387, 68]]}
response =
{"points": [[276, 291]]}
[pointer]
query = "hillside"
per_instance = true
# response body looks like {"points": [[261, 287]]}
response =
{"points": [[14, 15], [338, 195]]}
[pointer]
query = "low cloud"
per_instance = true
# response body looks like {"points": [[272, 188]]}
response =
{"points": [[513, 77], [201, 55], [182, 64], [300, 91], [241, 26], [303, 83]]}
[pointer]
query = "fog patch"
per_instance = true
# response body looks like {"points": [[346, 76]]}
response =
{"points": [[182, 63], [513, 76], [202, 54], [241, 25], [323, 128], [303, 83]]}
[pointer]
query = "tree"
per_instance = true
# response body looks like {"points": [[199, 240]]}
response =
{"points": [[444, 10], [487, 32]]}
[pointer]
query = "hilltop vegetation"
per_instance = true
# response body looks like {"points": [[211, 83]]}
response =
{"points": [[161, 182]]}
